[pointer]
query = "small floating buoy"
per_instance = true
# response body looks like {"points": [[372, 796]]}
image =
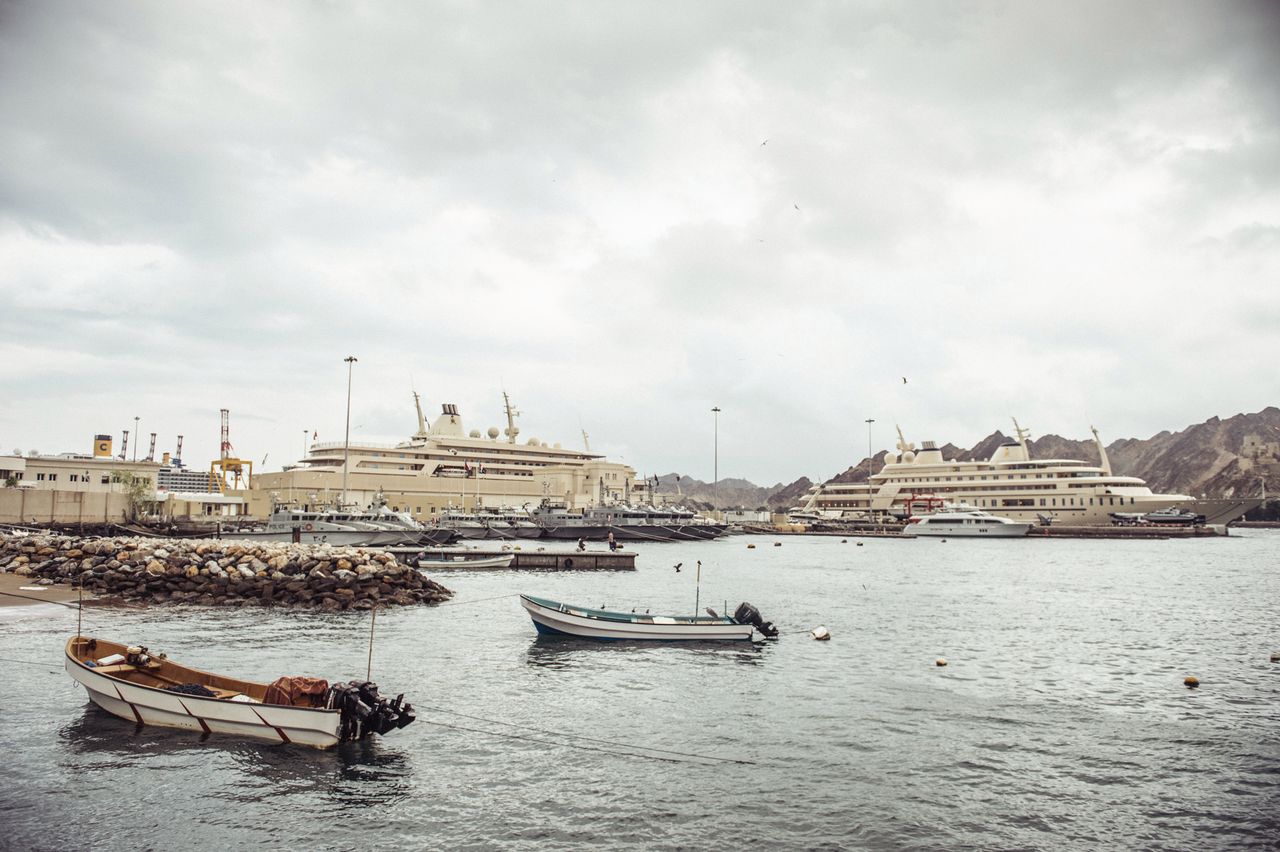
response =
{"points": [[941, 661], [820, 633], [858, 543], [1275, 656], [1191, 682], [751, 547], [777, 544], [844, 541], [944, 541]]}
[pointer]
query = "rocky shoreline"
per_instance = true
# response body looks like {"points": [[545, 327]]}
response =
{"points": [[220, 572]]}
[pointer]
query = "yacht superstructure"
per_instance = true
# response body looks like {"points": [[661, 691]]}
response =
{"points": [[443, 466], [1010, 483]]}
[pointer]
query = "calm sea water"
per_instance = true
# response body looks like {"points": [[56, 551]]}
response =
{"points": [[1061, 721]]}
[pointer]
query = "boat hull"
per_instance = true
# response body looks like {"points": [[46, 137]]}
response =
{"points": [[994, 531], [448, 563], [551, 618], [144, 705]]}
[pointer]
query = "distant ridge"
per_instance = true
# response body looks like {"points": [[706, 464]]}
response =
{"points": [[1216, 458]]}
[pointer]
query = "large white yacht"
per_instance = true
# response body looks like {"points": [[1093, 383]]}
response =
{"points": [[444, 467], [1010, 483]]}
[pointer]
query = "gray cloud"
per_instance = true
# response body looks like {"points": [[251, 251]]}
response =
{"points": [[1063, 213]]}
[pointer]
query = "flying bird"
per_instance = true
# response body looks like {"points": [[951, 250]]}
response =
{"points": [[797, 206], [765, 142], [678, 564], [904, 380]]}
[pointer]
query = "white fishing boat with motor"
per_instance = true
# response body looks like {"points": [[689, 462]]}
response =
{"points": [[150, 689], [553, 618], [965, 521], [447, 560]]}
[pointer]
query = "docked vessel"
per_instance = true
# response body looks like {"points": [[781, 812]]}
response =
{"points": [[462, 559], [444, 466], [625, 523], [347, 528], [965, 521], [1011, 484]]}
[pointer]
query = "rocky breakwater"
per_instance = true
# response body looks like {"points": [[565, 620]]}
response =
{"points": [[208, 572]]}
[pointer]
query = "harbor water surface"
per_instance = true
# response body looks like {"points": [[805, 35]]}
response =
{"points": [[1060, 721]]}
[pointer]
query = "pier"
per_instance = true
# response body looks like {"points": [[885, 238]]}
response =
{"points": [[535, 560]]}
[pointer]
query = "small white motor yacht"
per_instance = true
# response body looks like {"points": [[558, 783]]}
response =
{"points": [[961, 521]]}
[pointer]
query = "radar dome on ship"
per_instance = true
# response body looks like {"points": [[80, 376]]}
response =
{"points": [[475, 433], [493, 432], [908, 457], [533, 442]]}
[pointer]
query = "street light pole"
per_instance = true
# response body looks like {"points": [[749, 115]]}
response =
{"points": [[715, 474], [346, 442], [869, 422], [137, 436]]}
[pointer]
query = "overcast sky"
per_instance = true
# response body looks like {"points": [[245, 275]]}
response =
{"points": [[626, 214]]}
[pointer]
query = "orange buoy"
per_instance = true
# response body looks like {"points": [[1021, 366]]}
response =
{"points": [[1191, 682], [941, 661]]}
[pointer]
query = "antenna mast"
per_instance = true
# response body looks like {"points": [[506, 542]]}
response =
{"points": [[422, 421], [512, 414]]}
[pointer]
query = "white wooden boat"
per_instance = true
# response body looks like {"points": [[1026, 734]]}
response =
{"points": [[453, 561], [132, 683], [558, 619]]}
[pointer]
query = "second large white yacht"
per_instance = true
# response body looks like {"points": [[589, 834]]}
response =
{"points": [[444, 466], [1010, 483]]}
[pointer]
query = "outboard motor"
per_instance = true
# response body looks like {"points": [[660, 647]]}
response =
{"points": [[364, 711], [748, 614]]}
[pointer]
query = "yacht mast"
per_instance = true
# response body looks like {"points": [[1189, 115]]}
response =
{"points": [[1022, 434], [512, 414], [1102, 451], [422, 421]]}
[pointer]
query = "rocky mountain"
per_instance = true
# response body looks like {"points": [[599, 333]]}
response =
{"points": [[732, 493], [1216, 458]]}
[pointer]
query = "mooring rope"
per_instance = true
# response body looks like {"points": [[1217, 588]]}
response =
{"points": [[689, 758], [42, 600], [478, 600], [546, 732]]}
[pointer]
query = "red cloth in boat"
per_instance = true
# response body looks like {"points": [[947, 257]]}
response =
{"points": [[297, 691]]}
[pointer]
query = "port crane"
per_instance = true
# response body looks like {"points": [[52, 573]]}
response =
{"points": [[227, 471]]}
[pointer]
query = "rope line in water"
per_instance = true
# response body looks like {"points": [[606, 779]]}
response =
{"points": [[696, 758], [42, 600], [30, 663], [589, 739], [479, 600]]}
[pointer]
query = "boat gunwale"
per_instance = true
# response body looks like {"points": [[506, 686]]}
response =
{"points": [[80, 664], [616, 617]]}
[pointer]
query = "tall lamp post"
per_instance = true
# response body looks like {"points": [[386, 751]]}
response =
{"points": [[715, 470], [346, 441], [137, 437], [870, 420]]}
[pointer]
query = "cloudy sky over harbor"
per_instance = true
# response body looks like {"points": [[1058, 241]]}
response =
{"points": [[625, 214]]}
